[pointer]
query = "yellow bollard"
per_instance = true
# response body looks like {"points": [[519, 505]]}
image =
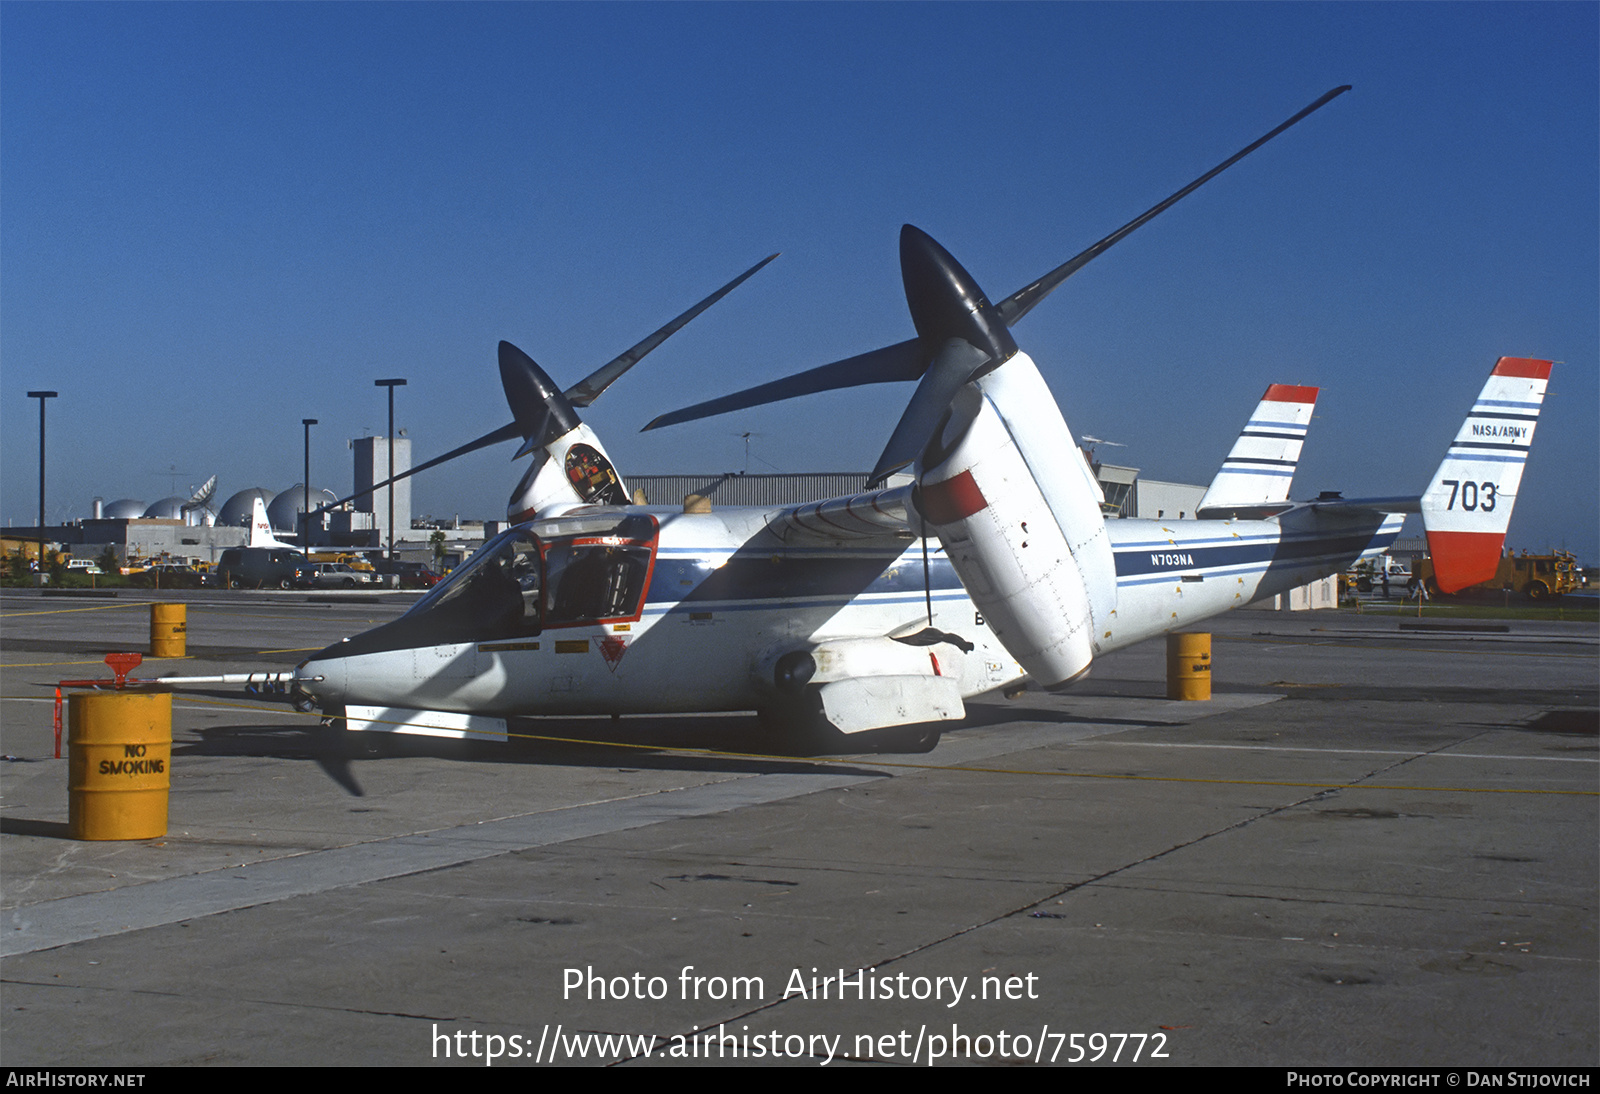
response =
{"points": [[1188, 666], [119, 756], [169, 628]]}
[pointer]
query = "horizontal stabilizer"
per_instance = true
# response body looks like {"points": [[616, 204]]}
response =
{"points": [[1396, 503], [1256, 476], [1467, 507]]}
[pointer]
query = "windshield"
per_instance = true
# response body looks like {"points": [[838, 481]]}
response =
{"points": [[576, 571]]}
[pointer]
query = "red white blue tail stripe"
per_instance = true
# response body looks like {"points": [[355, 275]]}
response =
{"points": [[1467, 507], [1255, 477]]}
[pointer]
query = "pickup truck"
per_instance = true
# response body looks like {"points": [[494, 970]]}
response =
{"points": [[332, 575]]}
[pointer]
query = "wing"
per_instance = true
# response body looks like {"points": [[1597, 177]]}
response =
{"points": [[874, 514]]}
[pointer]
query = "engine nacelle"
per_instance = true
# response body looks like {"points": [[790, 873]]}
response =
{"points": [[571, 470], [1011, 498]]}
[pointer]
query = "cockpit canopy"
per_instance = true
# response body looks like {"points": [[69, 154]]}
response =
{"points": [[565, 572]]}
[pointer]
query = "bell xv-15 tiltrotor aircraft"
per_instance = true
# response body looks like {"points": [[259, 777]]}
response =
{"points": [[992, 566]]}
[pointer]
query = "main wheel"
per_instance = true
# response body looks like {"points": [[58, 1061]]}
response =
{"points": [[798, 728]]}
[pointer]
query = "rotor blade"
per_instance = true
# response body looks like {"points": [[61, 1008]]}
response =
{"points": [[538, 408], [956, 363], [1021, 302], [901, 361], [588, 389], [542, 411], [951, 312], [509, 432]]}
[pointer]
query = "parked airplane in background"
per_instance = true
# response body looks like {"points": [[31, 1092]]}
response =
{"points": [[261, 529], [882, 612]]}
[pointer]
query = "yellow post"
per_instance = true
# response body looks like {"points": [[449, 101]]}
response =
{"points": [[119, 756], [169, 630], [1188, 666]]}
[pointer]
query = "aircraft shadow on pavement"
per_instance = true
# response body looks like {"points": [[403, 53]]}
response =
{"points": [[23, 826], [734, 745], [983, 715]]}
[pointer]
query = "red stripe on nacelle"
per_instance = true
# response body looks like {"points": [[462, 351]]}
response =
{"points": [[952, 500], [1522, 366], [1464, 558], [1289, 393]]}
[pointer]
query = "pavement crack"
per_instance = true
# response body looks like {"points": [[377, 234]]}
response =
{"points": [[1025, 909]]}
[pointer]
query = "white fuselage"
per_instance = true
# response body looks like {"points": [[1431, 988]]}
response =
{"points": [[726, 595]]}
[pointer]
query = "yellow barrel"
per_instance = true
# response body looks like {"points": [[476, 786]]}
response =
{"points": [[169, 629], [119, 759], [1188, 666]]}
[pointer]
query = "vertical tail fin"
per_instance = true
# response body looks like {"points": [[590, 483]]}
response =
{"points": [[260, 528], [1467, 507], [1254, 480]]}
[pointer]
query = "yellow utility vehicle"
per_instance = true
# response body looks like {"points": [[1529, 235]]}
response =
{"points": [[1536, 576]]}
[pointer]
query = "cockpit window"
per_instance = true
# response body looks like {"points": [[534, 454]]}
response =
{"points": [[575, 571], [598, 574], [496, 594], [592, 581]]}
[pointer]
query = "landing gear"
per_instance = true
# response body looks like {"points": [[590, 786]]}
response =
{"points": [[797, 728]]}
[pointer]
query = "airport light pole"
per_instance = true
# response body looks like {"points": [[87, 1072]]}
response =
{"points": [[305, 512], [391, 385], [41, 396]]}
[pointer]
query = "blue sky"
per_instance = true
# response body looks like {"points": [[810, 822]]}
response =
{"points": [[216, 220]]}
